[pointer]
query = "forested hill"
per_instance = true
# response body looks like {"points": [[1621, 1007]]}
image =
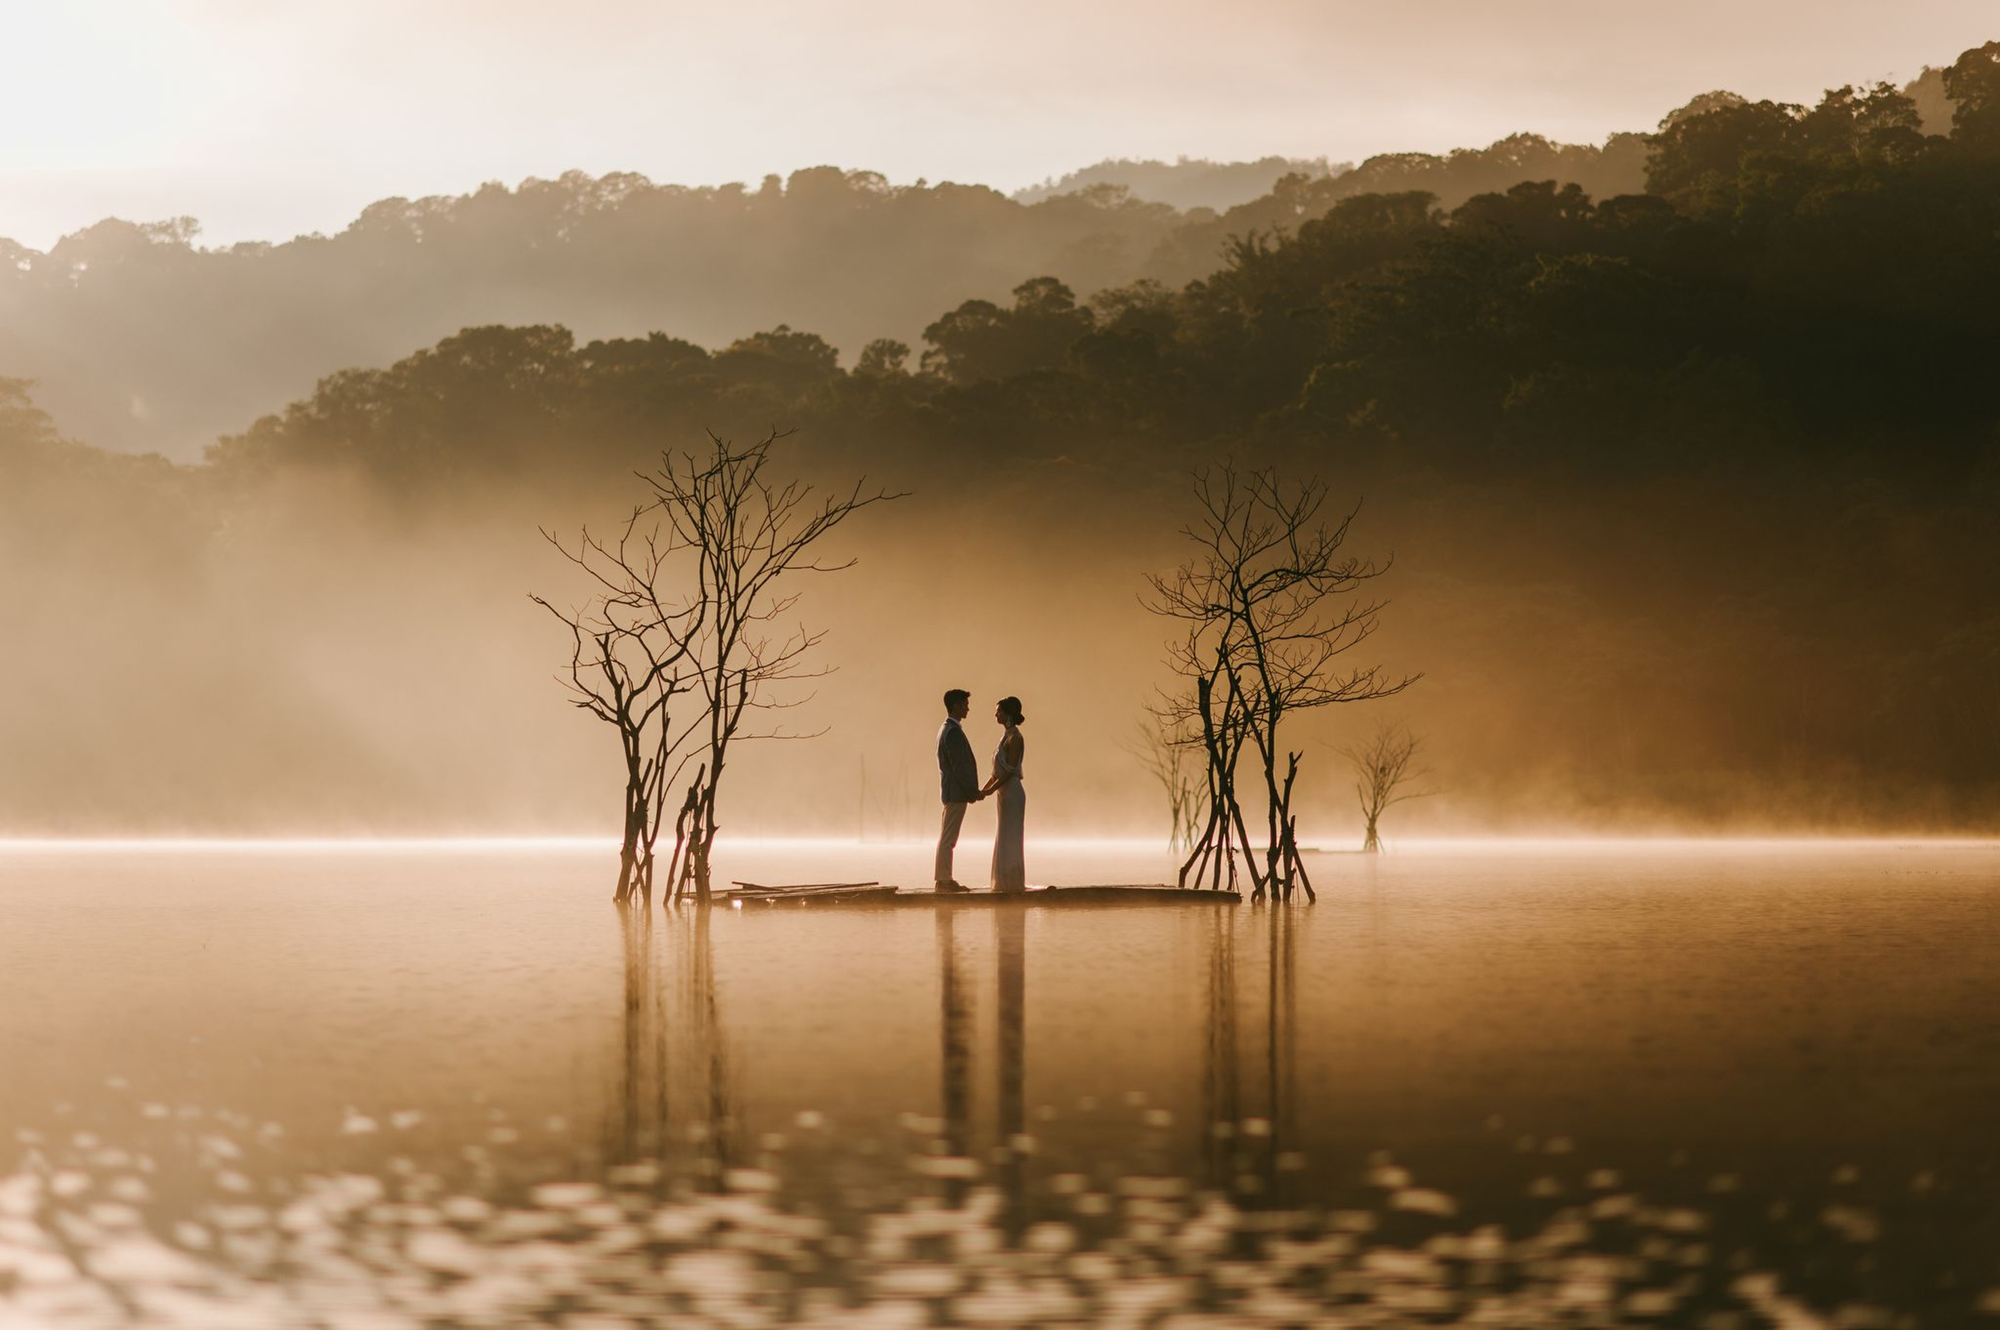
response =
{"points": [[141, 339], [1796, 283]]}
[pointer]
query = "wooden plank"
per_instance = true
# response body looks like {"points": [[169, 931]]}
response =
{"points": [[1041, 897], [823, 896], [804, 886]]}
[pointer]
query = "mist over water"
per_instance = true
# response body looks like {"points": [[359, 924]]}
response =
{"points": [[318, 658]]}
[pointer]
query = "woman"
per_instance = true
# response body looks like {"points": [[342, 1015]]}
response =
{"points": [[1010, 870]]}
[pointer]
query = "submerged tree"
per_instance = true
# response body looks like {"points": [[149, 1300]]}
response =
{"points": [[680, 646], [1166, 748], [632, 654], [748, 532], [1269, 605], [1384, 767]]}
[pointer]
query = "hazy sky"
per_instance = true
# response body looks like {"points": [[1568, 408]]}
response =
{"points": [[266, 118]]}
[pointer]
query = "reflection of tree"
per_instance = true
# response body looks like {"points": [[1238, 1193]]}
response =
{"points": [[696, 962], [1220, 1083], [640, 1114], [1231, 1152], [673, 1075], [1281, 1051]]}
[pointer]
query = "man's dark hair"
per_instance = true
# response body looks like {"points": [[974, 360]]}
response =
{"points": [[954, 696]]}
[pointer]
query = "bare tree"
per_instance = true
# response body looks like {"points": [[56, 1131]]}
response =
{"points": [[633, 653], [682, 643], [748, 531], [1269, 606], [1384, 769], [1166, 748]]}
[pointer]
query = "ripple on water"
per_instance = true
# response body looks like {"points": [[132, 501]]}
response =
{"points": [[637, 1248]]}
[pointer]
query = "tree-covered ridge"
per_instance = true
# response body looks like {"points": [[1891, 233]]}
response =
{"points": [[140, 338], [1798, 281], [1187, 183], [143, 340]]}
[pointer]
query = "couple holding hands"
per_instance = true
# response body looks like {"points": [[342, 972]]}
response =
{"points": [[958, 774]]}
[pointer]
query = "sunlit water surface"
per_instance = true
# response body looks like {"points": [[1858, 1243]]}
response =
{"points": [[1715, 1086]]}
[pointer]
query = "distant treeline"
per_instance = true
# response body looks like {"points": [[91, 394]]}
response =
{"points": [[1188, 183], [1693, 487], [1798, 284], [142, 340]]}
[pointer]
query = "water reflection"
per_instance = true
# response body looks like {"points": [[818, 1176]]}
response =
{"points": [[955, 1053], [1221, 1080], [673, 1089], [1011, 1117], [1250, 1098], [1010, 1153]]}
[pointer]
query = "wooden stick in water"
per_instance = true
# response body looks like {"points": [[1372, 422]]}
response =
{"points": [[804, 886]]}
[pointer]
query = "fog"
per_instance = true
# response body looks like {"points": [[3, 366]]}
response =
{"points": [[1687, 476], [320, 663]]}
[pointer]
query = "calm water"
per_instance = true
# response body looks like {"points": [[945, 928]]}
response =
{"points": [[391, 1090]]}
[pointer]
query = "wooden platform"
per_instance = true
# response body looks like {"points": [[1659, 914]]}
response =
{"points": [[871, 894]]}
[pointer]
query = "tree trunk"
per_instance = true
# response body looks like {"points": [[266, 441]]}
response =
{"points": [[627, 854], [1284, 856], [631, 855]]}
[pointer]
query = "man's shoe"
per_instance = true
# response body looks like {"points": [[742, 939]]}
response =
{"points": [[952, 886]]}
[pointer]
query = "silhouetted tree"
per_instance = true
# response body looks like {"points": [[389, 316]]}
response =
{"points": [[683, 606], [1697, 159], [634, 649], [1973, 84], [883, 358], [1167, 750], [980, 340], [751, 535], [1384, 766], [1270, 604]]}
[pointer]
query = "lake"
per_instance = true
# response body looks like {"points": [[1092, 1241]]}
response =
{"points": [[402, 1086]]}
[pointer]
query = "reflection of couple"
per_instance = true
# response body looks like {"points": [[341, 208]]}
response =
{"points": [[959, 780]]}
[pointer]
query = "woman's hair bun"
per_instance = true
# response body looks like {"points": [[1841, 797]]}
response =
{"points": [[1010, 707]]}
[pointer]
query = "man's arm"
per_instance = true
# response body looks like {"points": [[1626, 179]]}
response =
{"points": [[964, 767]]}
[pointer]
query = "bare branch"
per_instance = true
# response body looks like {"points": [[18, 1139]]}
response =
{"points": [[678, 646], [1270, 603], [1385, 770]]}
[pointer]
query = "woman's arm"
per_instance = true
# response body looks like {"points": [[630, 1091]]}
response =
{"points": [[1010, 756]]}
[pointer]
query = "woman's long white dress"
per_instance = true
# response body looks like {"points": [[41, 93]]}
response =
{"points": [[1010, 867]]}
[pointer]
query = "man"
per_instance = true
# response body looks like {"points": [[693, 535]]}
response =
{"points": [[958, 779]]}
